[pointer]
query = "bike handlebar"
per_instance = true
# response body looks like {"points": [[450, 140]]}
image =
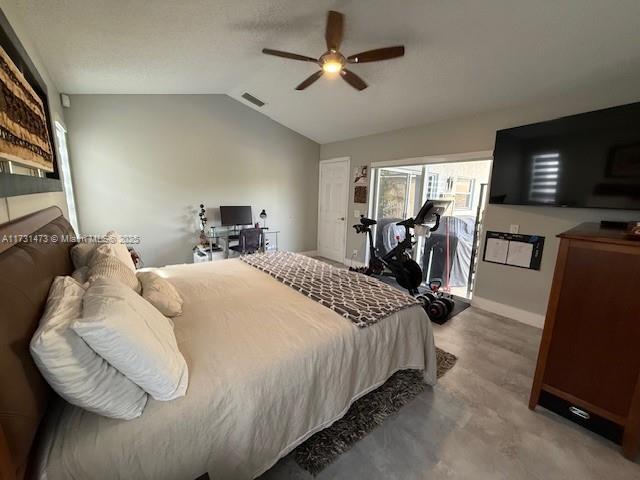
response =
{"points": [[437, 224]]}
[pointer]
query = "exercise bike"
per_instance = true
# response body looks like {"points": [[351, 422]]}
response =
{"points": [[398, 262]]}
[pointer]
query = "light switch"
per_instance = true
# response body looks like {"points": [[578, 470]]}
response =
{"points": [[356, 213], [514, 228]]}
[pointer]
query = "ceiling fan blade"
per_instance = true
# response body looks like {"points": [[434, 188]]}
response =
{"points": [[335, 26], [309, 80], [377, 54], [292, 56], [352, 79]]}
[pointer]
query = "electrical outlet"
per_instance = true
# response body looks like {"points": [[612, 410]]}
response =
{"points": [[354, 253], [514, 228]]}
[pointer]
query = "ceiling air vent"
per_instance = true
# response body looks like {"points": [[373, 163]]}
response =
{"points": [[250, 98]]}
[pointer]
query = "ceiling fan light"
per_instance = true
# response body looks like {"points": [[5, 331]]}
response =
{"points": [[332, 67]]}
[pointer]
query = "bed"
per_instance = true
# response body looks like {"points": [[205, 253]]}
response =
{"points": [[268, 368]]}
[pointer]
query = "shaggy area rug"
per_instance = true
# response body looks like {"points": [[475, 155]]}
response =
{"points": [[364, 415]]}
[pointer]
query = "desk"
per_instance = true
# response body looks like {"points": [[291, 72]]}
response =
{"points": [[227, 236]]}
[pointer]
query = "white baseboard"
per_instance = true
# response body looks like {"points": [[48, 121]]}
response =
{"points": [[310, 253], [523, 316]]}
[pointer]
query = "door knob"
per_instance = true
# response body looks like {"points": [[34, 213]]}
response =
{"points": [[341, 218]]}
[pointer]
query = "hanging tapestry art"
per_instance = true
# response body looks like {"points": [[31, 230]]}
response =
{"points": [[24, 137]]}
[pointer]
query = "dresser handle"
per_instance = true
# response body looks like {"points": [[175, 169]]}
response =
{"points": [[579, 413]]}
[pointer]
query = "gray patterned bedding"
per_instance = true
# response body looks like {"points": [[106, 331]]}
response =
{"points": [[363, 300]]}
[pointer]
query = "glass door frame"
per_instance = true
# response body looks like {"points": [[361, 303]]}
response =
{"points": [[374, 192]]}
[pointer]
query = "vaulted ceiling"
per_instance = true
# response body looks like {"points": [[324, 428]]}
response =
{"points": [[462, 56]]}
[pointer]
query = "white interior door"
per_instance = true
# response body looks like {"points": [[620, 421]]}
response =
{"points": [[332, 208]]}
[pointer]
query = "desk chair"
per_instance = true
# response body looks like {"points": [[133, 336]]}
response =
{"points": [[249, 241]]}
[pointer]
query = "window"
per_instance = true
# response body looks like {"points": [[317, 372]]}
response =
{"points": [[432, 186], [463, 193], [65, 175], [392, 196]]}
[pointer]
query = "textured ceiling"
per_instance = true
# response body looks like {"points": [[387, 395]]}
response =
{"points": [[463, 56]]}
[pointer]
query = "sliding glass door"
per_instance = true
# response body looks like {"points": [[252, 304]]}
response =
{"points": [[450, 254], [397, 192]]}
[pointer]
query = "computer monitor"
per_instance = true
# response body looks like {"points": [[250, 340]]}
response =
{"points": [[231, 216]]}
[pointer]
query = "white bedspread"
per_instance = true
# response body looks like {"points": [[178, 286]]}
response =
{"points": [[268, 368]]}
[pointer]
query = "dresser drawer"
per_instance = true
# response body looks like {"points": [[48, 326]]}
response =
{"points": [[582, 417]]}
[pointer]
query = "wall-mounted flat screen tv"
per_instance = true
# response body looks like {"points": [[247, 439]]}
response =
{"points": [[590, 160]]}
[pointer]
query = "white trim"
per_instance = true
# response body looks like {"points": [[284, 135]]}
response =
{"points": [[447, 158], [347, 205], [65, 173], [335, 160], [372, 202], [310, 253], [522, 316]]}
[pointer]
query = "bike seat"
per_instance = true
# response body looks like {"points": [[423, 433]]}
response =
{"points": [[367, 221]]}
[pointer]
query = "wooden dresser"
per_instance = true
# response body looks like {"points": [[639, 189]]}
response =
{"points": [[589, 361]]}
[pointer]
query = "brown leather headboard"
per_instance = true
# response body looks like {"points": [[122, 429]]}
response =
{"points": [[27, 268]]}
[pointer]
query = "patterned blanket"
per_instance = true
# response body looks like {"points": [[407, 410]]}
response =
{"points": [[361, 299]]}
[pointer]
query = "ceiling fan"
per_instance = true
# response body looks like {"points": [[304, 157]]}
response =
{"points": [[333, 61]]}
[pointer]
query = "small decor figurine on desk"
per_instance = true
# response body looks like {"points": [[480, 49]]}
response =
{"points": [[203, 225]]}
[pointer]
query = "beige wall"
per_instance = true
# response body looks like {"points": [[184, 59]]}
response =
{"points": [[13, 207], [526, 292], [518, 293], [143, 163]]}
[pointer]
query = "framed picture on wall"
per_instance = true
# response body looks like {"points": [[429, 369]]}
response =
{"points": [[28, 162], [360, 181], [360, 175], [360, 194]]}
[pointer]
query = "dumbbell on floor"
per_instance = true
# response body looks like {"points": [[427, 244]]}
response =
{"points": [[437, 307]]}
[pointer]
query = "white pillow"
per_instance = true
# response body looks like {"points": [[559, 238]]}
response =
{"points": [[119, 249], [160, 293], [82, 253], [134, 337], [105, 265], [72, 368]]}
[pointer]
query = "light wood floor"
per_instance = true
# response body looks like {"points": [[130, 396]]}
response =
{"points": [[475, 423]]}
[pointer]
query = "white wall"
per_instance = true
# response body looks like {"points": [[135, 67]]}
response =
{"points": [[143, 163], [14, 207], [518, 293]]}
